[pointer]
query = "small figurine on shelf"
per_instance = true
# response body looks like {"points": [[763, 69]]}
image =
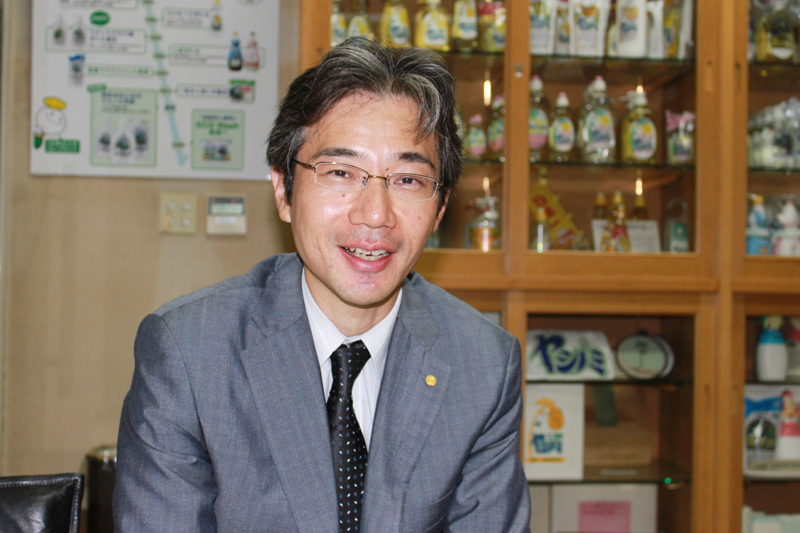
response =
{"points": [[757, 231], [786, 241], [772, 354], [788, 445]]}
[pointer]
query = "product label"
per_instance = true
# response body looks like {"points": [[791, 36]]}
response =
{"points": [[599, 130], [465, 23], [587, 29], [338, 28], [680, 148], [540, 32], [497, 134], [493, 22], [359, 27], [628, 24], [537, 128], [562, 31], [643, 139], [434, 26], [399, 28], [476, 142], [562, 135]]}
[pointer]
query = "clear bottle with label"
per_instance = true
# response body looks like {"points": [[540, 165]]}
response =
{"points": [[596, 125], [492, 26], [235, 54], [475, 143], [540, 232], [252, 55], [615, 236], [538, 121], [497, 129], [561, 135], [464, 30], [338, 24], [432, 27], [600, 208], [360, 25], [484, 231], [562, 36], [216, 16], [639, 137], [395, 27], [781, 42]]}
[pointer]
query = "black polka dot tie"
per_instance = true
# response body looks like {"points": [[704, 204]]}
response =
{"points": [[347, 442]]}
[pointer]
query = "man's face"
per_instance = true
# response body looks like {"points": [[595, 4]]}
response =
{"points": [[358, 247]]}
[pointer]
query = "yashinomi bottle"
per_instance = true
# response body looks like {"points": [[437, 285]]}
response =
{"points": [[495, 136], [432, 27], [561, 135], [464, 30], [772, 354], [615, 236], [541, 37], [395, 26], [540, 233], [492, 26], [252, 56], [596, 125], [235, 54], [599, 210], [639, 138], [538, 121], [781, 43], [562, 36], [338, 24], [475, 143], [359, 25]]}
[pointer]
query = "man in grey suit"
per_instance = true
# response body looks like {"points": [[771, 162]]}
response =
{"points": [[333, 389]]}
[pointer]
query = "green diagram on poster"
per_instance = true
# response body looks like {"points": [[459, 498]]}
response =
{"points": [[217, 139], [123, 127]]}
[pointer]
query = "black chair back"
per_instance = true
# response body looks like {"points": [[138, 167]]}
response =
{"points": [[41, 504]]}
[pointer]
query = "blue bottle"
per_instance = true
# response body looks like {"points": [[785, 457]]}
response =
{"points": [[235, 54], [758, 242]]}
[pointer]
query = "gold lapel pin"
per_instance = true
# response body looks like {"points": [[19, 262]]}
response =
{"points": [[430, 380]]}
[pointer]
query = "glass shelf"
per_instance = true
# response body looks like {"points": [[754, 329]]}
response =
{"points": [[661, 472], [666, 384], [770, 76], [615, 70]]}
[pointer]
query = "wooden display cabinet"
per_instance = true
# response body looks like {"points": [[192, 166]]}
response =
{"points": [[687, 296]]}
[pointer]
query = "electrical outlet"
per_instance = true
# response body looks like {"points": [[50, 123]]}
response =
{"points": [[177, 213]]}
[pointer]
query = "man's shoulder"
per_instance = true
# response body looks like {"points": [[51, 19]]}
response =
{"points": [[236, 290]]}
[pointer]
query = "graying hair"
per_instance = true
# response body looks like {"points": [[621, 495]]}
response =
{"points": [[364, 66]]}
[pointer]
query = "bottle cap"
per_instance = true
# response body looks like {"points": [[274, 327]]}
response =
{"points": [[475, 119], [562, 100], [541, 214], [536, 83], [599, 85], [498, 102]]}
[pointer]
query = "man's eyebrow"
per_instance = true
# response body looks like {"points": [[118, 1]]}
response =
{"points": [[335, 152], [416, 157]]}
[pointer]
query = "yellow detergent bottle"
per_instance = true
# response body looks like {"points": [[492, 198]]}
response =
{"points": [[432, 27], [395, 28]]}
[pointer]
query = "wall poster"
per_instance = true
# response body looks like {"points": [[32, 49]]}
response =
{"points": [[153, 88]]}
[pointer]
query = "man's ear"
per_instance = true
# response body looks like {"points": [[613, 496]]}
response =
{"points": [[284, 209], [441, 212]]}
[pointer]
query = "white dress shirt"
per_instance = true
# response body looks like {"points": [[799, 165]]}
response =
{"points": [[327, 338]]}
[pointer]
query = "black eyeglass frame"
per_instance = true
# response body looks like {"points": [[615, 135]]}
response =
{"points": [[364, 183]]}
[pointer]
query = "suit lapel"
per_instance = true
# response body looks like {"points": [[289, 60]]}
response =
{"points": [[283, 372], [406, 411]]}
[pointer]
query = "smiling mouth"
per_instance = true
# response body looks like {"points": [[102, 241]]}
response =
{"points": [[366, 255]]}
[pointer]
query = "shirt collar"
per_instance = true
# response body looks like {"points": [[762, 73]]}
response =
{"points": [[327, 336]]}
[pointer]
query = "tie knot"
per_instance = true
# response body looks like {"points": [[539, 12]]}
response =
{"points": [[346, 364]]}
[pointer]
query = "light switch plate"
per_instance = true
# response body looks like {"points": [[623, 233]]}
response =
{"points": [[177, 213]]}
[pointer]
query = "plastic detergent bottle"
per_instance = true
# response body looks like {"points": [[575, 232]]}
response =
{"points": [[338, 24], [561, 136], [484, 230], [772, 354], [781, 43], [497, 129], [631, 28], [395, 28], [216, 16], [638, 131], [252, 55], [432, 27], [492, 26], [540, 233], [538, 121], [475, 143], [464, 31], [359, 23], [598, 140], [235, 54]]}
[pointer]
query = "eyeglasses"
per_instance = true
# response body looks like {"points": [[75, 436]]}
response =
{"points": [[347, 178]]}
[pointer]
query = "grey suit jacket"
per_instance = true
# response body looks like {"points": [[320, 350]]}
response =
{"points": [[225, 427]]}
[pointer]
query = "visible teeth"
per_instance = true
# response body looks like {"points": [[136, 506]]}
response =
{"points": [[366, 255]]}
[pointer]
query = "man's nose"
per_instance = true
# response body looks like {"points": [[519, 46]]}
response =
{"points": [[373, 205]]}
